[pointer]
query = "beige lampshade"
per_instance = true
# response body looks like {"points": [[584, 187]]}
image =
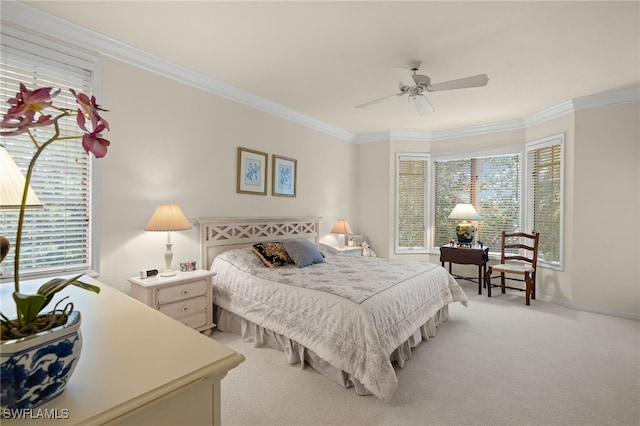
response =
{"points": [[341, 227], [464, 212], [12, 185], [168, 217]]}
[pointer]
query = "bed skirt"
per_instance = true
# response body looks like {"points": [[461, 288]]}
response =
{"points": [[295, 353]]}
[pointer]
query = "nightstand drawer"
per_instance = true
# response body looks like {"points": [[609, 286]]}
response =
{"points": [[195, 321], [182, 291], [184, 307]]}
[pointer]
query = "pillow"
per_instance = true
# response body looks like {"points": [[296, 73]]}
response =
{"points": [[303, 252], [272, 254]]}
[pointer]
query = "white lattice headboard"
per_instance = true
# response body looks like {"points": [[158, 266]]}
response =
{"points": [[218, 234]]}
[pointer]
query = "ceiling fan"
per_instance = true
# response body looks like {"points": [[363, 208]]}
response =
{"points": [[415, 85]]}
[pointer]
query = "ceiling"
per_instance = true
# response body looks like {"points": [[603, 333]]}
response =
{"points": [[323, 58]]}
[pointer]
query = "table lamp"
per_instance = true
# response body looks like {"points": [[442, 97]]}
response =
{"points": [[11, 191], [168, 217], [465, 230], [341, 227]]}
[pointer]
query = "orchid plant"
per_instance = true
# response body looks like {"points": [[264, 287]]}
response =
{"points": [[26, 114]]}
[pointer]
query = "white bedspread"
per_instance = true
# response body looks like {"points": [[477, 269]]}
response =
{"points": [[351, 311]]}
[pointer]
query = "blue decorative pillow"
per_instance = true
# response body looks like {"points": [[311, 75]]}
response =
{"points": [[303, 252], [272, 254]]}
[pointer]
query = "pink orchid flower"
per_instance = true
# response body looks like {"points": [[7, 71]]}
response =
{"points": [[95, 143], [21, 116], [89, 108]]}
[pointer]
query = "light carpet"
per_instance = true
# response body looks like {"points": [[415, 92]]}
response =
{"points": [[497, 362]]}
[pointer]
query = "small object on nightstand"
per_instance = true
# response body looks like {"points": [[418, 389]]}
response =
{"points": [[188, 266], [148, 274]]}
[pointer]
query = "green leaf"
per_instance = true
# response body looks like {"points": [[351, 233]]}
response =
{"points": [[28, 306], [50, 288], [55, 285]]}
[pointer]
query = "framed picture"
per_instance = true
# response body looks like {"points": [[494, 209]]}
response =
{"points": [[252, 172], [283, 177]]}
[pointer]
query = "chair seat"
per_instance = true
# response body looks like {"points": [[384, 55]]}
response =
{"points": [[514, 268]]}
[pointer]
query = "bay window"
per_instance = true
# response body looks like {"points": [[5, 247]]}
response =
{"points": [[513, 189]]}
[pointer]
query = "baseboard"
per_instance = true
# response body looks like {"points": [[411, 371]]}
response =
{"points": [[588, 308]]}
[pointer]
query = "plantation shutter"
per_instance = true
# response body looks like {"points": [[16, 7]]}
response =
{"points": [[491, 184], [411, 203], [56, 238], [544, 196]]}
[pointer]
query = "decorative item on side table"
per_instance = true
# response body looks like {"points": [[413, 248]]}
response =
{"points": [[40, 351], [188, 266], [465, 231], [341, 227], [168, 217]]}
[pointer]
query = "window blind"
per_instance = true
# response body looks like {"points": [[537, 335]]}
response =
{"points": [[544, 197], [411, 203], [492, 184], [56, 238]]}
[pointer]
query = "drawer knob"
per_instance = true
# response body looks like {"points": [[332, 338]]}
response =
{"points": [[185, 291], [185, 309]]}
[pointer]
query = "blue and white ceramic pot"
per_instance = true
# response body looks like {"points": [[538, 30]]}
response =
{"points": [[35, 369]]}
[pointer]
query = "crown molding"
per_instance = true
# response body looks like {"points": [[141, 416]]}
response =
{"points": [[606, 99], [30, 17], [437, 135], [482, 129], [549, 114]]}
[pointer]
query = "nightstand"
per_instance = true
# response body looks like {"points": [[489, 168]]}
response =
{"points": [[185, 297], [353, 251]]}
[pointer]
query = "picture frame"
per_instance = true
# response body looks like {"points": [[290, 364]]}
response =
{"points": [[252, 172], [284, 176]]}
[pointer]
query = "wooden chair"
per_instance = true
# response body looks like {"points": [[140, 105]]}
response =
{"points": [[524, 265]]}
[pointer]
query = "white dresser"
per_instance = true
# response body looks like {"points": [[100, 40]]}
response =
{"points": [[185, 296], [137, 367]]}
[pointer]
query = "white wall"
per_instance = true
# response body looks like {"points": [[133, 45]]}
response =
{"points": [[607, 208], [174, 143]]}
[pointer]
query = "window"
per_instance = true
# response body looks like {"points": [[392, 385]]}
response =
{"points": [[491, 183], [411, 202], [544, 196], [57, 238]]}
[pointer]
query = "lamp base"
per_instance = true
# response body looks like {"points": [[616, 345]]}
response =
{"points": [[168, 273], [465, 233]]}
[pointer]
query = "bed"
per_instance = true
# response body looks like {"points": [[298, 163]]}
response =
{"points": [[350, 318]]}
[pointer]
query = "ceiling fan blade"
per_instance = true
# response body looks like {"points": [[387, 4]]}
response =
{"points": [[404, 76], [375, 101], [422, 104], [461, 83]]}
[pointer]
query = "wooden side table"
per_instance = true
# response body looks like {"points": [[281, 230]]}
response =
{"points": [[467, 256]]}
